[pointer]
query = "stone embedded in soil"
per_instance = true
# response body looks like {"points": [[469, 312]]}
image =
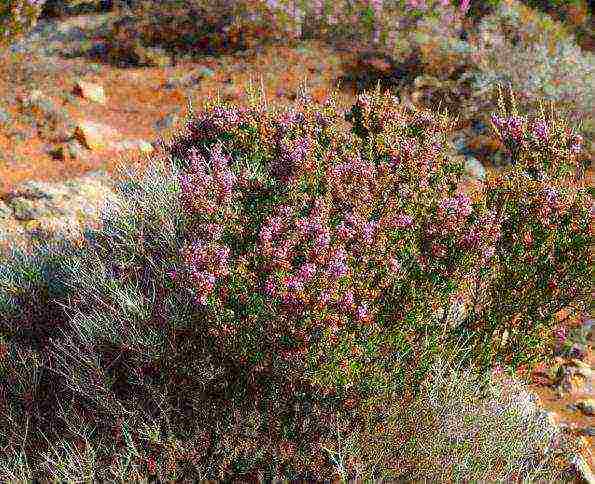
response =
{"points": [[141, 145], [5, 211], [474, 168], [587, 406], [189, 79], [53, 123], [92, 92], [56, 210], [95, 136], [167, 121]]}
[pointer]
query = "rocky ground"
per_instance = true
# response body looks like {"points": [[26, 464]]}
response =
{"points": [[67, 114]]}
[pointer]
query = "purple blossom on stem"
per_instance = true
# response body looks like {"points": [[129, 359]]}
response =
{"points": [[270, 286], [514, 127], [369, 230], [294, 284], [344, 232], [362, 312], [307, 271], [403, 221], [348, 298], [464, 6], [541, 131], [560, 334]]}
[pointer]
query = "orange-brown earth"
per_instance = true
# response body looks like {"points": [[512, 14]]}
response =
{"points": [[136, 99]]}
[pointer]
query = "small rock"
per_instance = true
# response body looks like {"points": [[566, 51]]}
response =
{"points": [[484, 145], [587, 406], [204, 71], [426, 81], [589, 431], [167, 121], [153, 56], [5, 211], [53, 123], [76, 150], [92, 92], [474, 168], [4, 117], [582, 368], [95, 136], [190, 79], [142, 145]]}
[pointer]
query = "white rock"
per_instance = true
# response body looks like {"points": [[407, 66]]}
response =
{"points": [[95, 136], [92, 92]]}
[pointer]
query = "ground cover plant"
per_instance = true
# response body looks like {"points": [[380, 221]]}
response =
{"points": [[17, 17], [276, 269]]}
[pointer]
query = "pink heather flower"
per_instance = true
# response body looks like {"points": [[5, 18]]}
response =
{"points": [[281, 252], [307, 271], [351, 219], [403, 221], [265, 235], [323, 240], [212, 231], [294, 284], [376, 5], [362, 312], [438, 250], [489, 253], [560, 334], [497, 370], [541, 131], [458, 206], [408, 147], [270, 286], [369, 230], [318, 7], [344, 232], [275, 225], [514, 127], [464, 6], [551, 196], [348, 298], [364, 100], [337, 269], [325, 296], [471, 239], [498, 121]]}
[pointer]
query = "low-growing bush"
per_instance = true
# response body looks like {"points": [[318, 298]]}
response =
{"points": [[17, 18], [274, 267]]}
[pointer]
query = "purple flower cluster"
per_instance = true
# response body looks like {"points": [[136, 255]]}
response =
{"points": [[453, 212], [209, 184], [205, 263]]}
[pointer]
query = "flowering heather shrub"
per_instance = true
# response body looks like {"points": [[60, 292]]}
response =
{"points": [[543, 250], [274, 267], [224, 24], [17, 17]]}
